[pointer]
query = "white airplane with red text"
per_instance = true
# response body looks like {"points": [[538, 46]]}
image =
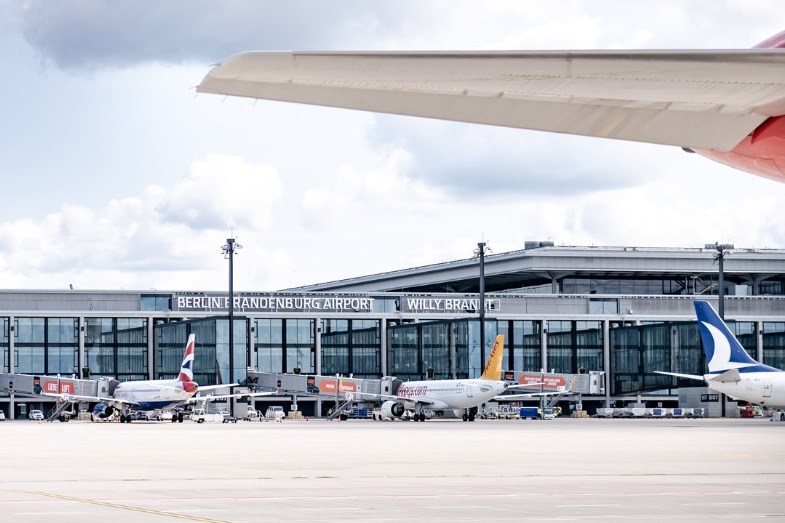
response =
{"points": [[152, 395], [464, 396], [727, 105]]}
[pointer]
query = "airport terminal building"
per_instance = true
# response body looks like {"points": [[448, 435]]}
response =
{"points": [[626, 311]]}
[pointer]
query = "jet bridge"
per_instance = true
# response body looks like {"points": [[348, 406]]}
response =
{"points": [[557, 385], [590, 382], [345, 392], [27, 388]]}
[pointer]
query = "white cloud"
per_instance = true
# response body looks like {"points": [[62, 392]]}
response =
{"points": [[166, 236], [127, 180]]}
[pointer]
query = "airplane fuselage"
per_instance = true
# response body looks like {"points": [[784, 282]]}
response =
{"points": [[761, 388], [451, 394], [152, 394]]}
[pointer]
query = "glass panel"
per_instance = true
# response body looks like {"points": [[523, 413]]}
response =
{"points": [[436, 350], [403, 356], [774, 344]]}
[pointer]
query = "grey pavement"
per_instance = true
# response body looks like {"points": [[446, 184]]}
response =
{"points": [[358, 470]]}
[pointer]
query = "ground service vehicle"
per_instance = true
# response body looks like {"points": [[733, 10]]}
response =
{"points": [[275, 412], [201, 415], [35, 415], [530, 413], [251, 414]]}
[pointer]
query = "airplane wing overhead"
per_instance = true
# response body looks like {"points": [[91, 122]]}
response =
{"points": [[703, 99]]}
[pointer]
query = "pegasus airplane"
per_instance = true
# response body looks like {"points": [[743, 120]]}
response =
{"points": [[462, 396], [727, 105], [151, 395], [731, 370]]}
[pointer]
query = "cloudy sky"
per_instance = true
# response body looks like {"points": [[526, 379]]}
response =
{"points": [[116, 175]]}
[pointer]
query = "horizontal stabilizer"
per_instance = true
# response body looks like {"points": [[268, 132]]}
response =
{"points": [[686, 376], [729, 376]]}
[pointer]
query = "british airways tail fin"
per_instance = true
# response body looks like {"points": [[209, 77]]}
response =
{"points": [[723, 350], [186, 376], [493, 369]]}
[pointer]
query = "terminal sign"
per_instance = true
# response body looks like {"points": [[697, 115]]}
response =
{"points": [[276, 303], [451, 304], [710, 397]]}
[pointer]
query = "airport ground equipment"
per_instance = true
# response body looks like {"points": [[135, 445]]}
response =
{"points": [[529, 413]]}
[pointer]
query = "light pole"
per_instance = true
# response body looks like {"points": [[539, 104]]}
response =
{"points": [[721, 250], [228, 250], [480, 251], [719, 256]]}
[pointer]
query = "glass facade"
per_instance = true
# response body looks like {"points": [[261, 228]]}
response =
{"points": [[705, 285], [214, 362], [116, 347], [574, 345], [351, 347], [4, 346], [46, 345], [416, 346], [637, 351], [526, 345], [284, 345], [774, 344]]}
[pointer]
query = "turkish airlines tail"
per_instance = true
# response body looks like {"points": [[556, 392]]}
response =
{"points": [[723, 350], [493, 369]]}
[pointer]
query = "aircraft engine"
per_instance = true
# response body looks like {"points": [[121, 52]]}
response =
{"points": [[392, 409], [102, 411]]}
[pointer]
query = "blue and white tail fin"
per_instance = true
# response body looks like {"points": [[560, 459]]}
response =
{"points": [[723, 350]]}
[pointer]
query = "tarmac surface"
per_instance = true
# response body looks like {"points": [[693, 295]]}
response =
{"points": [[358, 470]]}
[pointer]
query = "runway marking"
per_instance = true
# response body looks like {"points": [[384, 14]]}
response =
{"points": [[46, 513], [717, 503], [591, 505], [125, 507]]}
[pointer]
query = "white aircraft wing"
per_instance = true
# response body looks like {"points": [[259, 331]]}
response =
{"points": [[510, 397], [703, 99], [215, 387], [210, 397], [393, 397], [525, 385], [687, 376], [81, 398]]}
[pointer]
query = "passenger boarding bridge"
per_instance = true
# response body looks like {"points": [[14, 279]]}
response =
{"points": [[341, 393]]}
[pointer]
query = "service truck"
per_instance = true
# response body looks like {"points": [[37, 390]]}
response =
{"points": [[201, 415], [529, 412]]}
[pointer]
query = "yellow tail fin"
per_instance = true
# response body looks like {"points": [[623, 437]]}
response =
{"points": [[493, 369]]}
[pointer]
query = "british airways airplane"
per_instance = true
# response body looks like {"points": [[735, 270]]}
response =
{"points": [[151, 395], [725, 104], [731, 370]]}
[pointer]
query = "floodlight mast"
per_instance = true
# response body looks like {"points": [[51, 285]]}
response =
{"points": [[228, 250], [722, 249], [480, 252], [719, 257]]}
